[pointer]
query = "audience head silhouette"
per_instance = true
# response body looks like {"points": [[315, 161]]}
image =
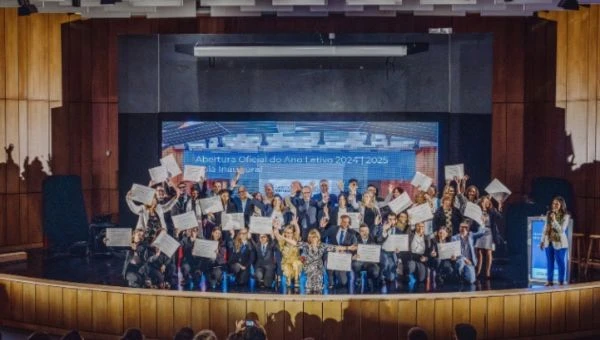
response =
{"points": [[417, 333], [464, 331], [133, 334]]}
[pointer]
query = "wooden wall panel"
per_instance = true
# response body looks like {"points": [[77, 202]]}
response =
{"points": [[577, 54], [114, 324], [200, 314], [55, 306], [41, 304], [182, 312], [586, 308], [350, 318], [407, 317], [37, 57], [425, 309], [16, 300], [148, 320], [543, 313], [23, 22], [131, 311], [218, 317], [572, 311], [312, 321], [100, 311], [29, 302], [84, 310], [70, 308], [443, 327], [11, 50], [495, 317], [512, 308], [2, 62], [164, 317], [479, 316], [293, 319], [275, 324], [332, 320], [388, 319]]}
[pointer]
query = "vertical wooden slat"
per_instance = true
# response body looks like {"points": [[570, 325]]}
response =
{"points": [[461, 311], [23, 23], [182, 312], [479, 316], [41, 304], [16, 300], [425, 309], [218, 317], [572, 310], [586, 309], [37, 57], [369, 319], [351, 311], [70, 308], [148, 319], [200, 314], [443, 319], [275, 325], [499, 141], [543, 309], [558, 312], [11, 52], [114, 324], [388, 319], [561, 56], [312, 322], [495, 317], [24, 232], [294, 320], [514, 137], [255, 310], [2, 62], [577, 56], [100, 311], [407, 316], [55, 307], [13, 181], [84, 310], [164, 317], [512, 315], [332, 320], [23, 141], [29, 302], [131, 311], [55, 56]]}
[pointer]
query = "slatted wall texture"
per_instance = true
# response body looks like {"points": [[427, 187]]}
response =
{"points": [[571, 105], [30, 86], [110, 312]]}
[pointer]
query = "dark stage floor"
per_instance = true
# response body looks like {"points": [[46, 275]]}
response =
{"points": [[107, 271]]}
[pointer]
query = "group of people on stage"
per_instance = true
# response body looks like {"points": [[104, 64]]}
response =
{"points": [[306, 226]]}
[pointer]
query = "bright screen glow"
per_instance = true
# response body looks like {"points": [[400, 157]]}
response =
{"points": [[278, 152]]}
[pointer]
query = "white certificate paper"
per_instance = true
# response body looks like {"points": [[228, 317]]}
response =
{"points": [[420, 213], [211, 205], [205, 248], [185, 221], [233, 221], [142, 194], [158, 174], [448, 249], [456, 170], [193, 173], [369, 252], [170, 163], [421, 181], [400, 203], [473, 211], [498, 190], [118, 237], [396, 242], [355, 220], [339, 261], [261, 225], [166, 244]]}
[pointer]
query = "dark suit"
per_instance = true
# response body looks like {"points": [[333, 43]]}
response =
{"points": [[245, 257], [248, 210], [307, 215], [439, 219], [372, 269], [330, 235], [417, 267], [264, 265]]}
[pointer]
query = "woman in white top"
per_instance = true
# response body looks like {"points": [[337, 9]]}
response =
{"points": [[151, 216], [554, 239]]}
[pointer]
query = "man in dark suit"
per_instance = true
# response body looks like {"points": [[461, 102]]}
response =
{"points": [[307, 211], [246, 204], [330, 199], [264, 266], [341, 235], [371, 268]]}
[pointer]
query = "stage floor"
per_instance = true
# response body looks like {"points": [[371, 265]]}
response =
{"points": [[107, 271]]}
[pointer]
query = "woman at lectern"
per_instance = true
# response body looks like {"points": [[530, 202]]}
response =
{"points": [[554, 239]]}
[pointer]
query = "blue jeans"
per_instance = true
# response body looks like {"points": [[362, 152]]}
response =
{"points": [[558, 256], [465, 272]]}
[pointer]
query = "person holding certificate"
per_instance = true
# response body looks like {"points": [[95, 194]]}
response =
{"points": [[342, 208], [390, 258], [135, 260], [151, 216], [420, 250], [447, 216], [466, 262], [441, 269], [278, 211], [487, 243], [241, 257], [160, 269], [216, 267], [371, 268], [264, 266], [190, 265], [341, 236], [313, 252], [554, 239], [369, 210]]}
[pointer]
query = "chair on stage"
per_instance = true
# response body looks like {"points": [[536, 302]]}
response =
{"points": [[577, 254], [592, 258]]}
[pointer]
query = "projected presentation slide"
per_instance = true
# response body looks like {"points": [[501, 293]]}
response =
{"points": [[279, 152]]}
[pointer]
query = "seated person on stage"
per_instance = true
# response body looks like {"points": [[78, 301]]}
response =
{"points": [[290, 264], [241, 257], [447, 216], [389, 262], [215, 268], [372, 269], [313, 251], [307, 211], [441, 269], [466, 262], [160, 269], [190, 265], [135, 260], [420, 250], [264, 265], [343, 236]]}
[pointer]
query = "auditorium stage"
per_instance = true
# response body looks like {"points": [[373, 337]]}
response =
{"points": [[106, 270]]}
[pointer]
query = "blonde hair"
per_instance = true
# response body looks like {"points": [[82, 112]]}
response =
{"points": [[314, 233], [295, 235]]}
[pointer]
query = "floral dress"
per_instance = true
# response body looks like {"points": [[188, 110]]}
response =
{"points": [[313, 265]]}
